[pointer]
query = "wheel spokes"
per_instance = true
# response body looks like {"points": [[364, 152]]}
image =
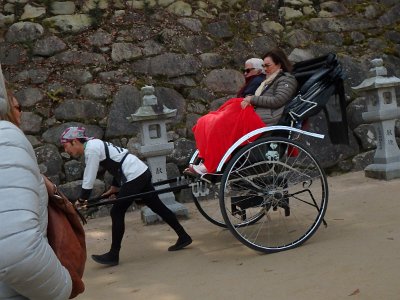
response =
{"points": [[286, 195]]}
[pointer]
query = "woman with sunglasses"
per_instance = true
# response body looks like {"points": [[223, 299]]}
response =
{"points": [[254, 74]]}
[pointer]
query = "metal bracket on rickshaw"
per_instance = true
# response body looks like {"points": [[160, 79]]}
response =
{"points": [[200, 188]]}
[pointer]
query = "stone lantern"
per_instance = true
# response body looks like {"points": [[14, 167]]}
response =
{"points": [[153, 117], [383, 111]]}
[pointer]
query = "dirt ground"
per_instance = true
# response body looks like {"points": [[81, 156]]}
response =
{"points": [[356, 257]]}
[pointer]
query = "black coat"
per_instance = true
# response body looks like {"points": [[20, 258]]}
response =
{"points": [[251, 85]]}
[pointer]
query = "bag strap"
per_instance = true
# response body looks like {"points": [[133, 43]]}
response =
{"points": [[57, 198], [106, 150], [122, 160], [123, 177]]}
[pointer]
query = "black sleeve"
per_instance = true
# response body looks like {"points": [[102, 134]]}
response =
{"points": [[115, 182], [85, 194], [253, 86]]}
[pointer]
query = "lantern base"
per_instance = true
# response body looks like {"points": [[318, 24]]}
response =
{"points": [[383, 171], [149, 217]]}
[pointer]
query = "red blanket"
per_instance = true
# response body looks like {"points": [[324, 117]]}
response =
{"points": [[218, 130]]}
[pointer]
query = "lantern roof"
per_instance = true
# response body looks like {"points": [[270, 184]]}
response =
{"points": [[151, 109], [378, 78]]}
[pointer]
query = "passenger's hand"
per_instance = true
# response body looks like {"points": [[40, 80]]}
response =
{"points": [[245, 102], [111, 192]]}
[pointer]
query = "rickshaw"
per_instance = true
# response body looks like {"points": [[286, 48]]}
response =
{"points": [[272, 193]]}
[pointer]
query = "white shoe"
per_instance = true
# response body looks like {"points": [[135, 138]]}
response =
{"points": [[200, 169]]}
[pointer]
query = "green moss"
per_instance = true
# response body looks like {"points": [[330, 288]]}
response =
{"points": [[359, 8], [268, 8], [147, 10], [237, 7], [49, 23], [241, 29], [96, 15], [28, 45], [46, 3], [159, 38], [54, 95], [18, 8], [141, 82], [347, 40], [302, 18], [390, 49]]}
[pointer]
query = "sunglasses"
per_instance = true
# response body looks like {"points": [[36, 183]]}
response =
{"points": [[248, 70], [18, 107]]}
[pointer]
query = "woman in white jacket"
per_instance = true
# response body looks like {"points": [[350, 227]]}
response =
{"points": [[29, 269]]}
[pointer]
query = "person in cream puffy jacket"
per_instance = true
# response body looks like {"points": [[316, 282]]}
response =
{"points": [[29, 269]]}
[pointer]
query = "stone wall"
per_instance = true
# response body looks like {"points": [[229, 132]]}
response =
{"points": [[84, 62]]}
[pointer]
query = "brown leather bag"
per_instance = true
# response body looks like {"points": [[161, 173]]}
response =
{"points": [[66, 236]]}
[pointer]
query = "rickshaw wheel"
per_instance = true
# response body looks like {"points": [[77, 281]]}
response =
{"points": [[273, 194]]}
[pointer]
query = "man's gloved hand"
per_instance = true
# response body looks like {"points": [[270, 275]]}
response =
{"points": [[111, 193], [80, 204]]}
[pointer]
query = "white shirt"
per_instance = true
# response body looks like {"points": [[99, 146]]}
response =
{"points": [[132, 166]]}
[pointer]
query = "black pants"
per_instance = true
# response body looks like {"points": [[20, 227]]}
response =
{"points": [[139, 185]]}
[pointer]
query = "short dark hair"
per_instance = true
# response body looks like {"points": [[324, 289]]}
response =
{"points": [[278, 56], [82, 140]]}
